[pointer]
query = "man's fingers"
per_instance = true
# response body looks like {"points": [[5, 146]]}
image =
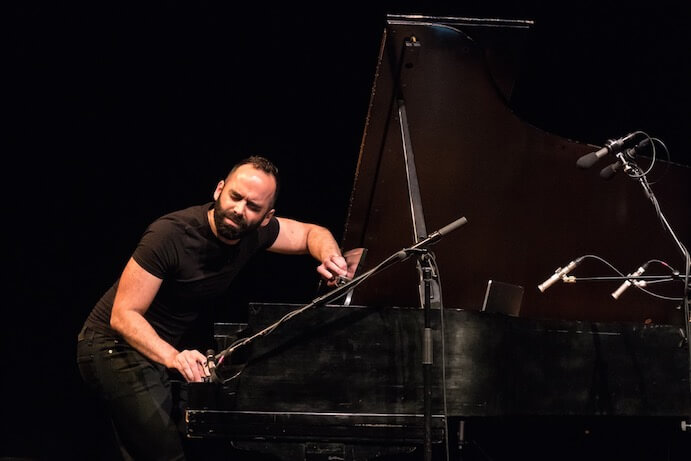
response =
{"points": [[191, 364], [336, 265], [341, 264]]}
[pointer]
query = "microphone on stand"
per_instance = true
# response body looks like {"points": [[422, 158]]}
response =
{"points": [[559, 273], [612, 146], [609, 171], [627, 283], [431, 239], [623, 159]]}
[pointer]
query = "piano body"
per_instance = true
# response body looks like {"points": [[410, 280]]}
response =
{"points": [[576, 366]]}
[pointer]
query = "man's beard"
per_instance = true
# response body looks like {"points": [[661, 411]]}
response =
{"points": [[228, 232]]}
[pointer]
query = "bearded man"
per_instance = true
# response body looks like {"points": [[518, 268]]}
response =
{"points": [[184, 261]]}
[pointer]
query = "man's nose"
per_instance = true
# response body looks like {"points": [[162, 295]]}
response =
{"points": [[239, 207]]}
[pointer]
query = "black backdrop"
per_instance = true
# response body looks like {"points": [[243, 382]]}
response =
{"points": [[117, 113]]}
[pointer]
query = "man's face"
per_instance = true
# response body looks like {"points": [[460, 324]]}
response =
{"points": [[243, 202]]}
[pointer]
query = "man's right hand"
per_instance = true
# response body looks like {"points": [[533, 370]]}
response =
{"points": [[192, 365]]}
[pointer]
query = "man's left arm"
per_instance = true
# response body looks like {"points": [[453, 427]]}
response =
{"points": [[295, 237]]}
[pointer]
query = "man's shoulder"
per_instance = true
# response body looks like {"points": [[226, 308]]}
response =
{"points": [[184, 221], [193, 215]]}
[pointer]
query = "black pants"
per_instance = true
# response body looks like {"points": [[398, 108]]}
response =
{"points": [[137, 394]]}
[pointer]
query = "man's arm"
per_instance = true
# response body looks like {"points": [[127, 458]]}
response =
{"points": [[295, 237], [136, 291]]}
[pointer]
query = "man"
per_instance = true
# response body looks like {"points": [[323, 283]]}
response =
{"points": [[183, 262]]}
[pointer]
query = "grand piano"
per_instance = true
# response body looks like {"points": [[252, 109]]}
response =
{"points": [[577, 373]]}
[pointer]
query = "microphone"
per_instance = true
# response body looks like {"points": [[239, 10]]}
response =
{"points": [[609, 171], [448, 229], [627, 283], [431, 239], [611, 146], [559, 273]]}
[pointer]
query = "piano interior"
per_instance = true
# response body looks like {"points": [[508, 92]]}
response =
{"points": [[578, 371]]}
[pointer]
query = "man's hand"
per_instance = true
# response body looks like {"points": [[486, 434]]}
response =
{"points": [[333, 267], [191, 365]]}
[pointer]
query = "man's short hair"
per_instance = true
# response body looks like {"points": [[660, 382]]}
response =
{"points": [[262, 164]]}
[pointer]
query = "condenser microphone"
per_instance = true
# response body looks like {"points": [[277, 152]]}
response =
{"points": [[612, 146], [623, 159], [559, 273], [627, 283], [609, 171]]}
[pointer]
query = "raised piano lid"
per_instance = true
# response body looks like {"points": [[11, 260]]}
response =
{"points": [[530, 209]]}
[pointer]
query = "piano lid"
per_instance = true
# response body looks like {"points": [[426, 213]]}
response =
{"points": [[530, 209]]}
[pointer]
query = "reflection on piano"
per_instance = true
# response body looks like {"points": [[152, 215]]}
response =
{"points": [[576, 370]]}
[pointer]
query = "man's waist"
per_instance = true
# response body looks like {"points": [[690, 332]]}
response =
{"points": [[89, 330]]}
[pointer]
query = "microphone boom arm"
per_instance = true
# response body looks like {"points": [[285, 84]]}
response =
{"points": [[339, 291]]}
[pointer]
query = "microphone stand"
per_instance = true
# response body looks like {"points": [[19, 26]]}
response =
{"points": [[427, 355], [637, 174], [427, 347], [342, 290]]}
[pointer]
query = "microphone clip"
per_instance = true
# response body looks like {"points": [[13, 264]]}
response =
{"points": [[211, 366]]}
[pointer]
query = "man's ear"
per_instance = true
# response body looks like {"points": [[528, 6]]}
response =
{"points": [[219, 189], [268, 216]]}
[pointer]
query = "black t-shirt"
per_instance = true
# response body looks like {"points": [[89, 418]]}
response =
{"points": [[195, 266]]}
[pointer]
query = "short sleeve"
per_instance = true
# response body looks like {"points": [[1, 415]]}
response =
{"points": [[157, 251], [269, 233]]}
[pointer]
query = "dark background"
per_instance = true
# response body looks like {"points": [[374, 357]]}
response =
{"points": [[117, 113]]}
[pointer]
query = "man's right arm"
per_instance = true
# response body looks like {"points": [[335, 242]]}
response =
{"points": [[136, 291]]}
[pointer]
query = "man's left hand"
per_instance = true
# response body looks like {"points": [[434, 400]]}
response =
{"points": [[333, 267]]}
